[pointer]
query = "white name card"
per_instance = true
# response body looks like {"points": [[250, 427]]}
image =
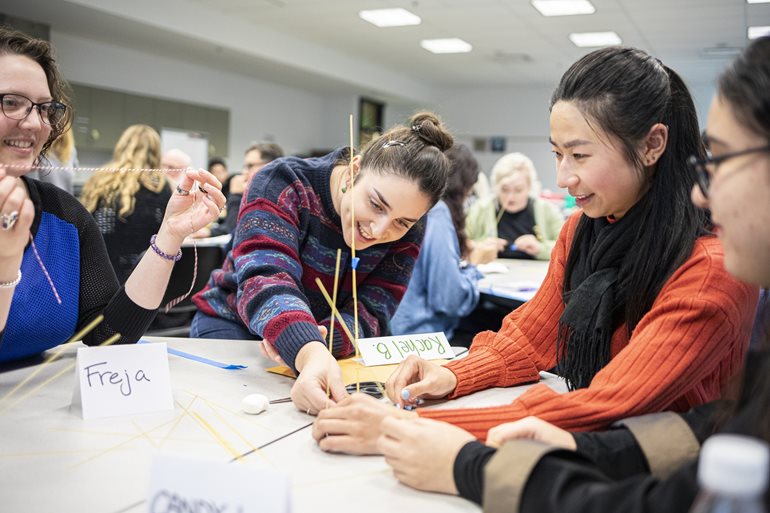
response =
{"points": [[122, 380], [394, 349], [180, 484]]}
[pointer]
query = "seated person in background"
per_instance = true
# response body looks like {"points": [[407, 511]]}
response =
{"points": [[129, 206], [644, 464], [442, 289], [295, 216], [174, 162], [52, 287], [258, 155], [218, 167], [636, 311], [514, 219]]}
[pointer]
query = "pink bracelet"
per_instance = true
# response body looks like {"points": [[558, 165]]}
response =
{"points": [[160, 253]]}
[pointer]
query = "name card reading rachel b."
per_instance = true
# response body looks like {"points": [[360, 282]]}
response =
{"points": [[394, 349], [122, 380]]}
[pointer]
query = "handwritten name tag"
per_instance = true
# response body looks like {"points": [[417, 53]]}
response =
{"points": [[122, 380], [385, 350], [181, 484]]}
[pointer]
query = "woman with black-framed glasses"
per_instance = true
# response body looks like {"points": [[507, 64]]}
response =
{"points": [[55, 275], [706, 166]]}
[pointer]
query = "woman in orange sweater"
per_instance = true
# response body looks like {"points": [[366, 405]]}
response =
{"points": [[637, 312]]}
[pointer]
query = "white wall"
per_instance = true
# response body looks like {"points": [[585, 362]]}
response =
{"points": [[300, 120], [292, 117], [520, 114]]}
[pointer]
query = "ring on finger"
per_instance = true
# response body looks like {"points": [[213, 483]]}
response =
{"points": [[8, 220], [182, 192]]}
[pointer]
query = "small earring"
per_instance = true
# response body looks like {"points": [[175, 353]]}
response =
{"points": [[344, 189]]}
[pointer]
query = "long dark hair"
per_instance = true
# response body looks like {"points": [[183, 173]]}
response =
{"points": [[13, 42], [745, 87], [623, 92], [464, 173]]}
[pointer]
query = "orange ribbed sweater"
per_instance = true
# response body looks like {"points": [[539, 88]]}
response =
{"points": [[681, 354]]}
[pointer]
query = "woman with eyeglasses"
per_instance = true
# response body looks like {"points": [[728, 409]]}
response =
{"points": [[55, 274], [636, 312], [647, 463]]}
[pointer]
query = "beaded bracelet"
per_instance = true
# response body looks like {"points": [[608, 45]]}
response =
{"points": [[160, 253], [11, 284]]}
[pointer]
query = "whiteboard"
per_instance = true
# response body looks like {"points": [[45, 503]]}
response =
{"points": [[195, 144]]}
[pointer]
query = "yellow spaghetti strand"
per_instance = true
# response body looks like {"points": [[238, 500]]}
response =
{"points": [[77, 336], [335, 313], [331, 327], [353, 250], [59, 374]]}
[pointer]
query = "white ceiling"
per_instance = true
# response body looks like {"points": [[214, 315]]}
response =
{"points": [[323, 45]]}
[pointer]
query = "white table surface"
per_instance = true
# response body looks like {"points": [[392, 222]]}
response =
{"points": [[519, 273], [51, 460]]}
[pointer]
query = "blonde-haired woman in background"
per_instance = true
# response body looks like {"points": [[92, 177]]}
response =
{"points": [[514, 218], [112, 197], [62, 155]]}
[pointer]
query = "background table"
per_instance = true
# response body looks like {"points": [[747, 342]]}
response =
{"points": [[51, 460]]}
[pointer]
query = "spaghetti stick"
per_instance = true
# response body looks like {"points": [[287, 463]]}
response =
{"points": [[59, 374], [74, 338], [331, 327], [335, 313], [354, 260]]}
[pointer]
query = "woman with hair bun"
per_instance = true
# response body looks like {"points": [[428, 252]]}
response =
{"points": [[294, 216]]}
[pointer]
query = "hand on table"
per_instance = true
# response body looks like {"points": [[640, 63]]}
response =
{"points": [[422, 452], [528, 244], [531, 428], [416, 378], [353, 426]]}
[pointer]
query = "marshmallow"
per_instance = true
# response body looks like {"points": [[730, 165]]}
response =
{"points": [[254, 403]]}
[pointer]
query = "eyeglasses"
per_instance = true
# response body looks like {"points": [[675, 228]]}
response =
{"points": [[700, 165], [18, 107]]}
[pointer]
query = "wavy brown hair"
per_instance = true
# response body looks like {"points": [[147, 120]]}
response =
{"points": [[13, 42]]}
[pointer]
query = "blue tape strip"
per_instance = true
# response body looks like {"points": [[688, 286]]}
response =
{"points": [[201, 359], [354, 262]]}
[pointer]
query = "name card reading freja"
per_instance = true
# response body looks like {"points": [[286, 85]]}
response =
{"points": [[394, 349], [122, 380]]}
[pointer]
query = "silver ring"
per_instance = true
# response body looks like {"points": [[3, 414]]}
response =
{"points": [[181, 192], [8, 220], [308, 411], [201, 188]]}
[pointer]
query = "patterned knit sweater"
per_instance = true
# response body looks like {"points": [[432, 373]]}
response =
{"points": [[681, 354], [287, 235]]}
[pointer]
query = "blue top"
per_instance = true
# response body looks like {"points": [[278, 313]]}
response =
{"points": [[73, 251], [440, 291]]}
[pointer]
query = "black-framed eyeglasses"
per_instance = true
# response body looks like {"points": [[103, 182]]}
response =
{"points": [[700, 165], [18, 107]]}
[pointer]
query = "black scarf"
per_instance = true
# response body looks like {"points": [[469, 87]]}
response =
{"points": [[595, 296]]}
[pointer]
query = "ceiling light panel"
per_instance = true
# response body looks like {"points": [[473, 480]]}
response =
{"points": [[449, 45], [390, 17], [563, 7], [594, 39]]}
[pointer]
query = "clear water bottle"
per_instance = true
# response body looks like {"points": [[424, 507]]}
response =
{"points": [[732, 473]]}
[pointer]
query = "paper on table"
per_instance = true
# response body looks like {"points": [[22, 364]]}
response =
{"points": [[492, 268], [353, 371]]}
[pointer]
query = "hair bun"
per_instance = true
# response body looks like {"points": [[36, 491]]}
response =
{"points": [[430, 129]]}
